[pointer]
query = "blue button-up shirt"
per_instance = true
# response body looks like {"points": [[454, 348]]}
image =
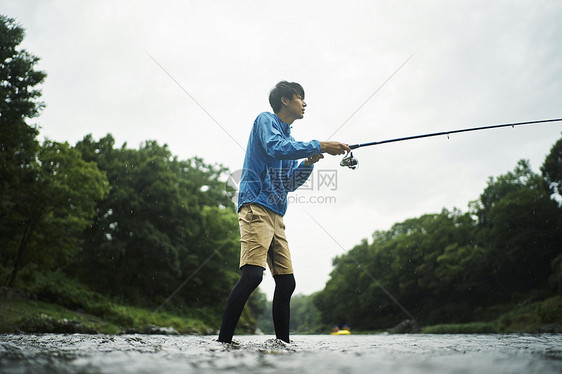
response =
{"points": [[270, 167]]}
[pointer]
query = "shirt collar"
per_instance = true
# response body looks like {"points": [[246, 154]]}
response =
{"points": [[286, 128]]}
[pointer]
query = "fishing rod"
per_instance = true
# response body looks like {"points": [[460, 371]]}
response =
{"points": [[351, 162]]}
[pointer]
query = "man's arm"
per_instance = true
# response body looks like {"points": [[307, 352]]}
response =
{"points": [[334, 148], [279, 146]]}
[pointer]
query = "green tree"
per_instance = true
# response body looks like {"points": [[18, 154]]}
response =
{"points": [[47, 193], [18, 144], [305, 316], [18, 95], [552, 168], [347, 296], [520, 224], [552, 173], [452, 266], [165, 223], [430, 265], [67, 189]]}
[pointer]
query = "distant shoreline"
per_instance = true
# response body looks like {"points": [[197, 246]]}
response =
{"points": [[21, 312]]}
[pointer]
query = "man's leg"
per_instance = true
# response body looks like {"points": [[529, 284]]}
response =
{"points": [[284, 287], [251, 277]]}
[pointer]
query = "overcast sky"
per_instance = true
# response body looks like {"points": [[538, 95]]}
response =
{"points": [[474, 63]]}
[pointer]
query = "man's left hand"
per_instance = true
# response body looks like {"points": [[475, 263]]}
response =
{"points": [[313, 159]]}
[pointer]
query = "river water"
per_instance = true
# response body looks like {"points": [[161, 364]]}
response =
{"points": [[396, 354]]}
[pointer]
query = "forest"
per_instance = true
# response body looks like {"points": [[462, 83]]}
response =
{"points": [[94, 226], [456, 267], [130, 224]]}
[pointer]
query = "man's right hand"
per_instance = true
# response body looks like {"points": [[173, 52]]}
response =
{"points": [[334, 148]]}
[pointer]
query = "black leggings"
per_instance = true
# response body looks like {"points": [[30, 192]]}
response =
{"points": [[249, 280], [284, 287]]}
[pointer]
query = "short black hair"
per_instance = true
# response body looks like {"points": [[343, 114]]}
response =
{"points": [[284, 89]]}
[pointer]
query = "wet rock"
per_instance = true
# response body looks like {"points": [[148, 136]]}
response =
{"points": [[551, 328], [189, 330], [153, 330], [163, 330], [247, 327], [405, 327], [211, 331]]}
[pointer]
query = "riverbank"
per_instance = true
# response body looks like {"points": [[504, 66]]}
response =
{"points": [[537, 317], [534, 318], [22, 312]]}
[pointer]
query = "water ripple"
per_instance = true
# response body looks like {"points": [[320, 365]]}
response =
{"points": [[51, 353]]}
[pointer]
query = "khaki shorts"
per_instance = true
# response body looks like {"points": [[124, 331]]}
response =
{"points": [[263, 240]]}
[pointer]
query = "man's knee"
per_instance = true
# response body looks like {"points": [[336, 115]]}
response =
{"points": [[285, 284], [252, 275], [255, 279], [293, 284]]}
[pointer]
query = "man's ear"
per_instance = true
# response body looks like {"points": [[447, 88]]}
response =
{"points": [[285, 101]]}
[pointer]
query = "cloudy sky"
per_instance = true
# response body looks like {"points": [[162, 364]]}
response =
{"points": [[195, 74]]}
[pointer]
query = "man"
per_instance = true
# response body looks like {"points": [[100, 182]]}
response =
{"points": [[270, 172]]}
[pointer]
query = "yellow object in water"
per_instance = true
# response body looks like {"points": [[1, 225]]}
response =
{"points": [[341, 332]]}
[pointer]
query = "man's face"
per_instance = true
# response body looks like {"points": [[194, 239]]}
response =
{"points": [[296, 106]]}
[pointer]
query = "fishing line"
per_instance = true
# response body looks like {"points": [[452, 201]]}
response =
{"points": [[351, 162]]}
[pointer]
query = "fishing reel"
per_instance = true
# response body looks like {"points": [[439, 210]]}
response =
{"points": [[349, 161]]}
